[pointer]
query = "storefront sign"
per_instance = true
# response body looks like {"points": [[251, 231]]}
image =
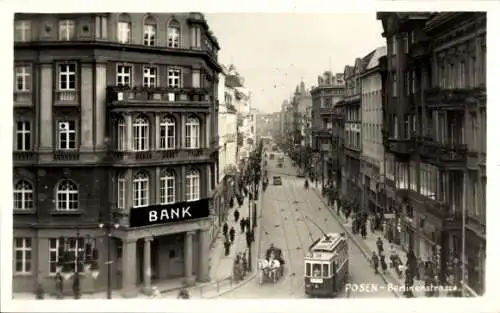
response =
{"points": [[170, 213]]}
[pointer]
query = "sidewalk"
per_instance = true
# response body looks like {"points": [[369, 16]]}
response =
{"points": [[368, 245]]}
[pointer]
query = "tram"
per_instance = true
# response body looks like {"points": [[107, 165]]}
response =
{"points": [[327, 266]]}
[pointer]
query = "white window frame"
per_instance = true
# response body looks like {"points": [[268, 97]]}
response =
{"points": [[23, 73], [140, 129], [196, 79], [121, 134], [66, 195], [174, 78], [65, 73], [149, 35], [124, 75], [101, 27], [167, 125], [23, 29], [192, 185], [167, 187], [193, 133], [24, 196], [150, 76], [24, 132], [64, 131], [140, 190], [25, 248], [124, 32], [174, 37], [73, 246], [67, 30], [121, 188]]}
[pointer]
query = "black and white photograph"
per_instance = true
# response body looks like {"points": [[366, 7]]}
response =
{"points": [[184, 155]]}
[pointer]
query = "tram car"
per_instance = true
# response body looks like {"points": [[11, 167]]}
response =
{"points": [[326, 266], [272, 267]]}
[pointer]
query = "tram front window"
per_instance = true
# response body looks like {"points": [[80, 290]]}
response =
{"points": [[316, 270], [325, 270]]}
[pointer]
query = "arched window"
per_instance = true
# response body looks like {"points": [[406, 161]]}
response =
{"points": [[167, 187], [23, 195], [192, 133], [140, 191], [174, 34], [167, 133], [121, 134], [141, 134], [124, 32], [192, 185], [67, 196], [121, 191], [149, 31]]}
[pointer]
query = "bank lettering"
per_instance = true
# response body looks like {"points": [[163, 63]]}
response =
{"points": [[169, 214]]}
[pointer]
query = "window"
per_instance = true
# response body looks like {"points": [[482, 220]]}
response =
{"points": [[192, 185], [473, 71], [22, 31], [23, 78], [140, 186], [413, 82], [124, 32], [23, 196], [75, 248], [149, 76], [196, 79], [461, 75], [66, 135], [141, 134], [174, 78], [192, 133], [167, 133], [66, 30], [23, 136], [121, 131], [101, 27], [174, 34], [67, 76], [167, 188], [67, 196], [149, 33], [195, 37], [22, 255], [394, 85], [394, 45], [124, 75], [121, 188]]}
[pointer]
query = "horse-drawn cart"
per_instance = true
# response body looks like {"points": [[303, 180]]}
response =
{"points": [[271, 268]]}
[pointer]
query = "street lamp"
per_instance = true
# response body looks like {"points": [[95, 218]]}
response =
{"points": [[109, 226]]}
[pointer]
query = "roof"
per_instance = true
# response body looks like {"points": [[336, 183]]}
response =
{"points": [[379, 52], [327, 244]]}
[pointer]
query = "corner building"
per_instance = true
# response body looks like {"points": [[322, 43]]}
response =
{"points": [[112, 113]]}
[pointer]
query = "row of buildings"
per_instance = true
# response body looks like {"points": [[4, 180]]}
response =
{"points": [[117, 115], [405, 128]]}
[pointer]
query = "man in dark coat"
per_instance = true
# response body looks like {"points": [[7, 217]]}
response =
{"points": [[249, 237], [231, 234], [227, 246], [242, 225], [236, 215], [225, 228]]}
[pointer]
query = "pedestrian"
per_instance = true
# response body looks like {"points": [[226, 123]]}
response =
{"points": [[363, 231], [245, 263], [383, 263], [249, 237], [375, 262], [372, 224], [421, 269], [380, 245], [227, 246], [411, 263], [242, 225], [225, 228], [236, 215], [231, 234]]}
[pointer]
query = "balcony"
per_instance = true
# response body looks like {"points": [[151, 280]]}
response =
{"points": [[150, 97], [454, 98], [64, 98], [24, 157], [66, 155], [157, 156], [401, 147], [23, 99], [443, 154], [327, 112]]}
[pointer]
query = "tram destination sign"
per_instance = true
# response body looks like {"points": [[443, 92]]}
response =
{"points": [[169, 213]]}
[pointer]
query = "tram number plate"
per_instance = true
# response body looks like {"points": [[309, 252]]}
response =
{"points": [[317, 280]]}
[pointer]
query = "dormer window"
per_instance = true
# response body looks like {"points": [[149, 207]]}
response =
{"points": [[66, 30]]}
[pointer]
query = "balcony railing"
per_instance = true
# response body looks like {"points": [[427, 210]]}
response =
{"points": [[23, 99], [24, 156], [66, 155], [461, 97], [118, 96], [66, 98], [159, 155], [443, 153], [404, 146]]}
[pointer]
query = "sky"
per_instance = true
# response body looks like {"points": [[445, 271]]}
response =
{"points": [[273, 51]]}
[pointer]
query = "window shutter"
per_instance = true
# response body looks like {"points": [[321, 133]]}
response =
{"points": [[185, 77]]}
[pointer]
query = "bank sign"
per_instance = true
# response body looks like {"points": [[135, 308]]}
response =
{"points": [[169, 213]]}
